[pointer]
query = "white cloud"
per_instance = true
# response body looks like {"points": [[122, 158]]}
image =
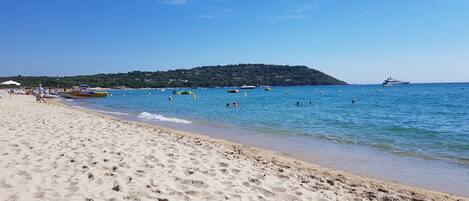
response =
{"points": [[298, 12], [216, 13], [452, 2], [175, 2], [205, 16], [364, 13]]}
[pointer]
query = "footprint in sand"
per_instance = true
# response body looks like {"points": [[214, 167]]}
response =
{"points": [[223, 164], [38, 195], [24, 174], [195, 183], [278, 189], [192, 193], [4, 185]]}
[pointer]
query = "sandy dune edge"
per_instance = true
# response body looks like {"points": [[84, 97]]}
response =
{"points": [[54, 152]]}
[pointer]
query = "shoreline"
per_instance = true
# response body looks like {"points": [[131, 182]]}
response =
{"points": [[273, 169], [235, 141], [261, 150], [434, 175]]}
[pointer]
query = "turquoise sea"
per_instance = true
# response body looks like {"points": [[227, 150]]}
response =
{"points": [[419, 122]]}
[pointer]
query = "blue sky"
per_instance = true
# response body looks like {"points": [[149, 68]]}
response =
{"points": [[357, 41]]}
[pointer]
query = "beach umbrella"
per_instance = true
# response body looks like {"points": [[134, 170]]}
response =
{"points": [[10, 82]]}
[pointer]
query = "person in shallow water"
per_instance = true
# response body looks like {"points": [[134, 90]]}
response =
{"points": [[170, 98], [235, 105], [310, 103], [353, 101], [227, 105], [297, 103]]}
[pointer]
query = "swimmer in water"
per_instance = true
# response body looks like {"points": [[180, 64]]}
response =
{"points": [[310, 103], [227, 105], [353, 101], [170, 98], [297, 103], [235, 105]]}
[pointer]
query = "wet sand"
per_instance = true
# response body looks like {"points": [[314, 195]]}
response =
{"points": [[56, 152]]}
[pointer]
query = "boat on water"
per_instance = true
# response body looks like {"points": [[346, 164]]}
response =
{"points": [[390, 81], [83, 91], [183, 92], [87, 94], [232, 91], [247, 87], [268, 89]]}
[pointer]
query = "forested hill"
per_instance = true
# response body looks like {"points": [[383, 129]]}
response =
{"points": [[207, 76]]}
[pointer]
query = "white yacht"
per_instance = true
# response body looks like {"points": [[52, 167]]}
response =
{"points": [[247, 87], [390, 81]]}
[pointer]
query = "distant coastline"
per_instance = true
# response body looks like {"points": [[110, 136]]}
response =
{"points": [[206, 76]]}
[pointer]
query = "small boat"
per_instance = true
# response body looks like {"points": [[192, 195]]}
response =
{"points": [[182, 92], [247, 87], [86, 94], [390, 81], [267, 89], [232, 91], [83, 91]]}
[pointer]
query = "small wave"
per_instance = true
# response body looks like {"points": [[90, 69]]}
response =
{"points": [[150, 116], [109, 112], [100, 111]]}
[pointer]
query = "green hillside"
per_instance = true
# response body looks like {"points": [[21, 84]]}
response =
{"points": [[207, 76]]}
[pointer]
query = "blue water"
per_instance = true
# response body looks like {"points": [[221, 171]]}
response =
{"points": [[426, 121]]}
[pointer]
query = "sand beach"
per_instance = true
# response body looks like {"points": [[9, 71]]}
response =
{"points": [[55, 152]]}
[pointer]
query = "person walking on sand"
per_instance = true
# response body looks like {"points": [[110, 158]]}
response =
{"points": [[40, 94]]}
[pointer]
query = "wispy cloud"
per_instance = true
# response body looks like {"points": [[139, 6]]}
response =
{"points": [[298, 12], [175, 2], [216, 13], [364, 13], [205, 16], [452, 2]]}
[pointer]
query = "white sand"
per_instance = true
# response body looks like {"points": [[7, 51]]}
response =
{"points": [[54, 152]]}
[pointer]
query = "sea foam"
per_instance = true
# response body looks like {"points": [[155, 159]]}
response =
{"points": [[101, 111], [158, 117]]}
